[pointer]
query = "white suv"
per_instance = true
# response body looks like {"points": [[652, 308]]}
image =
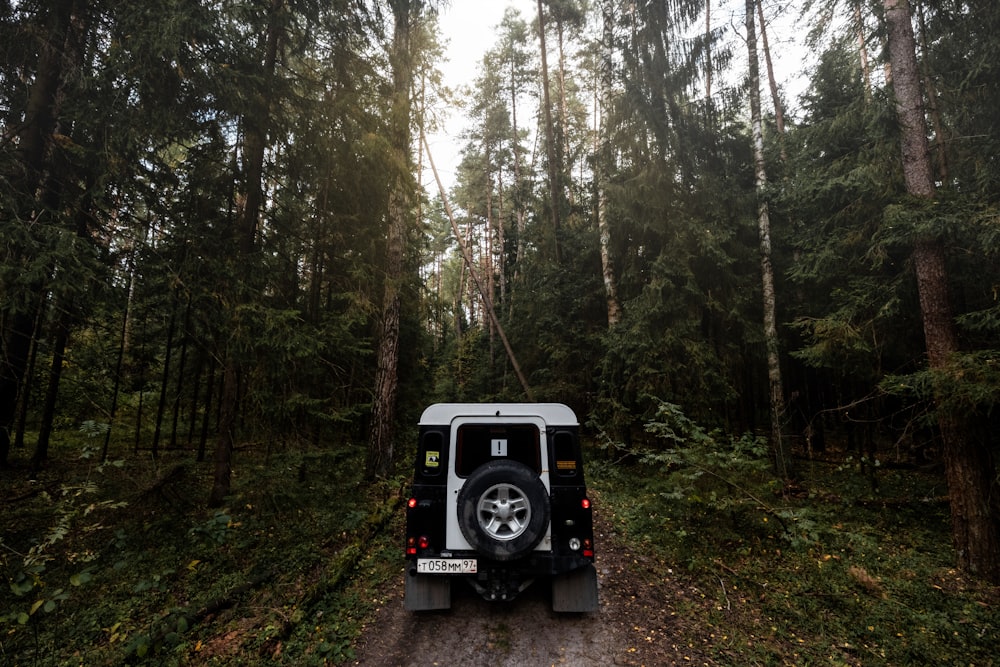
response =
{"points": [[499, 500]]}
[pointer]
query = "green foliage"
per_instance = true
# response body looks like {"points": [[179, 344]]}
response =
{"points": [[834, 570], [968, 386], [830, 572], [694, 452], [705, 479], [51, 570], [297, 555], [215, 530]]}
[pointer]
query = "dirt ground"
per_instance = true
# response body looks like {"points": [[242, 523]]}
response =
{"points": [[640, 622]]}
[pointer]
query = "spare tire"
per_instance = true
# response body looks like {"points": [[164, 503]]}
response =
{"points": [[503, 509]]}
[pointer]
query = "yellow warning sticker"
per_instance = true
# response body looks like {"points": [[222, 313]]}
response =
{"points": [[432, 459]]}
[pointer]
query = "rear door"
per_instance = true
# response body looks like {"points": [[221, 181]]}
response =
{"points": [[478, 440]]}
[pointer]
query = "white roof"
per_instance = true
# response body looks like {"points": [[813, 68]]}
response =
{"points": [[550, 413]]}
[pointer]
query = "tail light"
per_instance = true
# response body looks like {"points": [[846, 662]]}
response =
{"points": [[414, 543], [585, 503], [411, 503], [588, 548]]}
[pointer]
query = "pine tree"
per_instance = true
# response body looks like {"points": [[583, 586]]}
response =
{"points": [[968, 467]]}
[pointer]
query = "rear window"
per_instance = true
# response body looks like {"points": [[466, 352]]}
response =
{"points": [[480, 443], [564, 448], [431, 457]]}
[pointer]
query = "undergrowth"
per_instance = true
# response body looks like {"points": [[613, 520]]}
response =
{"points": [[120, 563], [833, 571], [112, 564]]}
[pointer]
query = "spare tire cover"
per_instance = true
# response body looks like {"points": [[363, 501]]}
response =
{"points": [[503, 509]]}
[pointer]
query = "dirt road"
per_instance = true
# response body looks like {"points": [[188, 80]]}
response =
{"points": [[638, 623]]}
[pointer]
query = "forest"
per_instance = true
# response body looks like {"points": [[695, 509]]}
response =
{"points": [[231, 277]]}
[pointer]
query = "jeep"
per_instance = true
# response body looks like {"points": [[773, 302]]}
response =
{"points": [[499, 500]]}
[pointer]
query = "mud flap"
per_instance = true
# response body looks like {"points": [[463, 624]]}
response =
{"points": [[425, 592], [575, 591]]}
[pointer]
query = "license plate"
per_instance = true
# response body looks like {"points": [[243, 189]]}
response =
{"points": [[447, 565]]}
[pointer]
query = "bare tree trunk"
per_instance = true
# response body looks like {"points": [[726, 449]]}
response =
{"points": [[518, 193], [168, 356], [380, 446], [969, 468], [122, 345], [181, 369], [41, 453], [782, 457], [708, 50], [195, 397], [489, 249], [937, 122], [247, 220], [207, 417], [29, 371], [34, 142], [501, 267], [380, 449], [550, 141], [866, 74], [779, 108], [486, 299], [602, 166], [562, 144], [779, 111]]}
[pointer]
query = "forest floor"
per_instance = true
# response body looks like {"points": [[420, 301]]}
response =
{"points": [[123, 564]]}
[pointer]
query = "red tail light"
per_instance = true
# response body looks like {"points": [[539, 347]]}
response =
{"points": [[411, 546], [411, 503], [588, 548], [585, 503], [424, 542]]}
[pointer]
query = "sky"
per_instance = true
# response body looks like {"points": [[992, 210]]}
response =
{"points": [[468, 26]]}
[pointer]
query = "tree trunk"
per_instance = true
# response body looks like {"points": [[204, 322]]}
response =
{"points": [[122, 347], [195, 397], [34, 141], [779, 109], [969, 469], [484, 297], [223, 458], [41, 453], [501, 236], [518, 190], [550, 141], [256, 125], [207, 417], [779, 112], [782, 457], [181, 369], [937, 122], [168, 354], [488, 250], [866, 74], [603, 163], [380, 450], [380, 445], [708, 50], [562, 142]]}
